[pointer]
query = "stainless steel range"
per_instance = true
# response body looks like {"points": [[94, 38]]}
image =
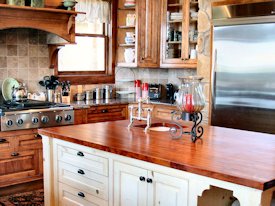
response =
{"points": [[34, 114]]}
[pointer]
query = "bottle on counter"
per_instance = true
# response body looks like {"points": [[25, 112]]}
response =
{"points": [[145, 90], [138, 89]]}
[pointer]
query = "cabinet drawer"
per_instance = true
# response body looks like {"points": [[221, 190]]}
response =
{"points": [[106, 113], [29, 141], [83, 159], [23, 165], [164, 113], [83, 179], [69, 196]]}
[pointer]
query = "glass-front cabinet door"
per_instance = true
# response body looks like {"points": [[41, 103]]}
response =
{"points": [[179, 33]]}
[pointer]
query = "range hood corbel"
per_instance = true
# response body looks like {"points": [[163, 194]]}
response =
{"points": [[56, 21]]}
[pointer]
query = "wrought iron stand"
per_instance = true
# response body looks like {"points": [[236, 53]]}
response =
{"points": [[196, 131]]}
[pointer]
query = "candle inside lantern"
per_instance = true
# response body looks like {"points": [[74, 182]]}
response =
{"points": [[188, 106]]}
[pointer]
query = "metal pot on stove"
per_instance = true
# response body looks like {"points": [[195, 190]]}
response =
{"points": [[19, 93]]}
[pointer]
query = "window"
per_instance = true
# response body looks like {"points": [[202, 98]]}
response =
{"points": [[89, 60]]}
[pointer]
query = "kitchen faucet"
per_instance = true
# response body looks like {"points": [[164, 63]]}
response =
{"points": [[140, 112]]}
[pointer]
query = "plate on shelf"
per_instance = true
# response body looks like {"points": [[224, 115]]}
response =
{"points": [[7, 88]]}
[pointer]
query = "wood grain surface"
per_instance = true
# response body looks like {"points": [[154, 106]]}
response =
{"points": [[241, 157]]}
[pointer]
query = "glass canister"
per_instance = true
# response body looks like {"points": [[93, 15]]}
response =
{"points": [[191, 98]]}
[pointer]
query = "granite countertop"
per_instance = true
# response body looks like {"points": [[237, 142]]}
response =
{"points": [[241, 157], [89, 103]]}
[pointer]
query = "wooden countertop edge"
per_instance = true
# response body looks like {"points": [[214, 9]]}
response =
{"points": [[187, 168]]}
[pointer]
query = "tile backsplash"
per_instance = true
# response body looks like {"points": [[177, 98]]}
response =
{"points": [[158, 76], [24, 56]]}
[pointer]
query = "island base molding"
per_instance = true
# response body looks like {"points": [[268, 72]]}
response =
{"points": [[109, 179]]}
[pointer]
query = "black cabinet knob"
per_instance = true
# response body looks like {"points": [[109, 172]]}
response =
{"points": [[37, 136], [149, 180], [80, 154], [81, 194], [14, 154], [80, 171], [142, 178], [104, 110], [3, 141]]}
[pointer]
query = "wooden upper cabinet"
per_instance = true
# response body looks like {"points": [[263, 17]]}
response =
{"points": [[145, 48], [165, 34], [179, 33], [148, 33]]}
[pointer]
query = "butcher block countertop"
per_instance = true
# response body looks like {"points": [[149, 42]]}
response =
{"points": [[241, 157]]}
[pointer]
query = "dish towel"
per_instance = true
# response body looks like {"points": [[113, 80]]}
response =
{"points": [[97, 11]]}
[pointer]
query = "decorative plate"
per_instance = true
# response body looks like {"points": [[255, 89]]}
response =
{"points": [[7, 88]]}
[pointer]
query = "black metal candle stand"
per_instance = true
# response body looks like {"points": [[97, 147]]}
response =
{"points": [[196, 130]]}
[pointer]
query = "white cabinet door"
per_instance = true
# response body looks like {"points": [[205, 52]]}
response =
{"points": [[167, 190], [130, 186]]}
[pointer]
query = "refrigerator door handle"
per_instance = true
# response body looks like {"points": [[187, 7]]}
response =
{"points": [[213, 75]]}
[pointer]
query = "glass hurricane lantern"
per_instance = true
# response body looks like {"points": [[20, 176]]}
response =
{"points": [[190, 101]]}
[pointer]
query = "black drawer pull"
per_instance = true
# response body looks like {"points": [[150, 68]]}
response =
{"points": [[3, 141], [80, 171], [80, 154], [104, 110], [142, 178], [14, 154], [149, 180], [81, 194], [97, 191], [37, 136]]}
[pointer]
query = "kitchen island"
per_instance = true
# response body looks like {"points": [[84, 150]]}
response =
{"points": [[107, 164]]}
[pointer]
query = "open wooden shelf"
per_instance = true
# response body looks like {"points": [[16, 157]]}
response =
{"points": [[194, 2], [174, 42], [126, 27], [174, 21], [127, 8], [56, 21], [174, 5], [126, 45]]}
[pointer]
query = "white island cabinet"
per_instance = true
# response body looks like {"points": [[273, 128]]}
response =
{"points": [[77, 175]]}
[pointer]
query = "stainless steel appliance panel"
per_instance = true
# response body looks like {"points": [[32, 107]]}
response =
{"points": [[243, 79]]}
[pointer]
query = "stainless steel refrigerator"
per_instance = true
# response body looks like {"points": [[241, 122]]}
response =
{"points": [[243, 67]]}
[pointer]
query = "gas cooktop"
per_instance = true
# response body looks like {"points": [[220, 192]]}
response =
{"points": [[9, 106], [34, 114]]}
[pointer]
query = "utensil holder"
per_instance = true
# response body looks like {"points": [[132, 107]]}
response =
{"points": [[50, 95]]}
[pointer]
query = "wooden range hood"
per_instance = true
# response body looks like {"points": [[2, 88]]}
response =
{"points": [[56, 21]]}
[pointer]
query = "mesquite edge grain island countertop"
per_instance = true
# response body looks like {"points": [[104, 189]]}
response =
{"points": [[241, 157]]}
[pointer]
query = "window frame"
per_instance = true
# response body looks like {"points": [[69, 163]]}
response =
{"points": [[96, 77]]}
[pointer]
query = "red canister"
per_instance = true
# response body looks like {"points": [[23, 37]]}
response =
{"points": [[138, 89], [145, 90]]}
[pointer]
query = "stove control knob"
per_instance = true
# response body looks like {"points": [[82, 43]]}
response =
{"points": [[68, 117], [9, 123], [45, 119], [20, 122], [35, 120], [58, 118]]}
